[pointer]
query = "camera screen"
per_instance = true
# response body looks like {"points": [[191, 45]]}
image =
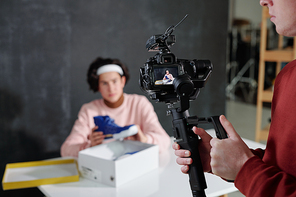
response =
{"points": [[165, 75]]}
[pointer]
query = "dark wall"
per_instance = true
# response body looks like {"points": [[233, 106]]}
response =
{"points": [[46, 47]]}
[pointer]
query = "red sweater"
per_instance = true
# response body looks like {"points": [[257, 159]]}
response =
{"points": [[273, 172]]}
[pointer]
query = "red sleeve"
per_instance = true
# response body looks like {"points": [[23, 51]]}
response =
{"points": [[258, 179], [258, 152]]}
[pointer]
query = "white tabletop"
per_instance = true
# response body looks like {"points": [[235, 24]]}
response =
{"points": [[167, 180]]}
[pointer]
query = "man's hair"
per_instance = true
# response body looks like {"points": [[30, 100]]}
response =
{"points": [[93, 78]]}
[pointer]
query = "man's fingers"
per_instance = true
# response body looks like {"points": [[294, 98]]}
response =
{"points": [[185, 169], [94, 129], [98, 138], [202, 134], [182, 153], [228, 127], [184, 161], [176, 146], [98, 134]]}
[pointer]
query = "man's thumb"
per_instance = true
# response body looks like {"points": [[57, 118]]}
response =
{"points": [[228, 127]]}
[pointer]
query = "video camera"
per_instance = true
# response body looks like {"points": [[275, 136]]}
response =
{"points": [[187, 76], [165, 78]]}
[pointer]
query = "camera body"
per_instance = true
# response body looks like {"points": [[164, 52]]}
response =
{"points": [[166, 78]]}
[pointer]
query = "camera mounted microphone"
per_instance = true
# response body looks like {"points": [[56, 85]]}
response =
{"points": [[165, 78], [164, 41]]}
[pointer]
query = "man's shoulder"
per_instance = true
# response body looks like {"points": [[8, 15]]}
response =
{"points": [[92, 104], [289, 69], [136, 98]]}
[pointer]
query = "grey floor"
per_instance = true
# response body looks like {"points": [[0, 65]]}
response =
{"points": [[243, 118]]}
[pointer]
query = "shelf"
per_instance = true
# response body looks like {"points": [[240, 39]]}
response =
{"points": [[263, 134], [279, 55], [267, 95]]}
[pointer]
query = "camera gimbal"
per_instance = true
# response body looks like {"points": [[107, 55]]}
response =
{"points": [[189, 77]]}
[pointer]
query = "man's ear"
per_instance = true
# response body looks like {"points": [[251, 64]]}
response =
{"points": [[123, 80], [98, 85]]}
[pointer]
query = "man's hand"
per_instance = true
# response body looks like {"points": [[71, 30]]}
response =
{"points": [[140, 136], [224, 157], [230, 154], [204, 151], [96, 137]]}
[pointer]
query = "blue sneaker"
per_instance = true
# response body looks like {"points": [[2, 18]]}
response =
{"points": [[112, 130]]}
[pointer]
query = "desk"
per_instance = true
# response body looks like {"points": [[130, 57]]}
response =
{"points": [[167, 180]]}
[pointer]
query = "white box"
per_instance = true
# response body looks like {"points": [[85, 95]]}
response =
{"points": [[118, 162]]}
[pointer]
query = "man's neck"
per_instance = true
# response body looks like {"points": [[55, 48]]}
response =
{"points": [[116, 104]]}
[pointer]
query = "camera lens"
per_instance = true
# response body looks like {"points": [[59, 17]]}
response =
{"points": [[183, 86]]}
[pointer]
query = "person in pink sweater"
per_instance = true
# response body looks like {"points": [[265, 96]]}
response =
{"points": [[109, 76], [259, 173]]}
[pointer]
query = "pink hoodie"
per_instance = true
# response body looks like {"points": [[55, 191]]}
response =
{"points": [[136, 109]]}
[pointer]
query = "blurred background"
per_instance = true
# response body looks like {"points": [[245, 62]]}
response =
{"points": [[47, 46]]}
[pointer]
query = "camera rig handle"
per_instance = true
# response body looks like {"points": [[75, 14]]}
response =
{"points": [[187, 139]]}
